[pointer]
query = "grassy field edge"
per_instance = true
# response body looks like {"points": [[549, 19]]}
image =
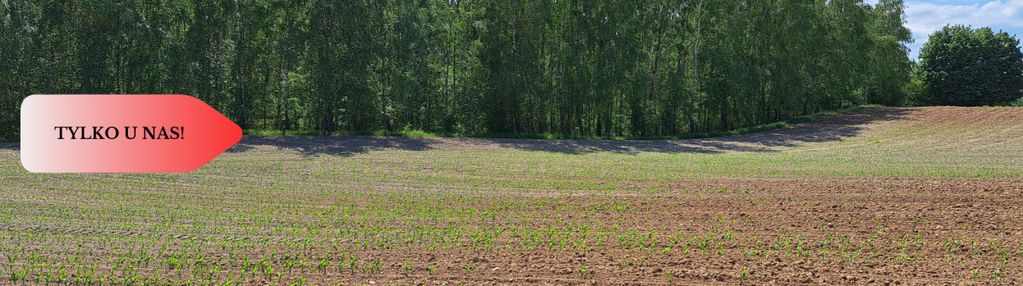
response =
{"points": [[414, 133]]}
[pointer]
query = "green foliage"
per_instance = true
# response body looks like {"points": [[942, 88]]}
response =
{"points": [[916, 88], [582, 69], [970, 67], [890, 67]]}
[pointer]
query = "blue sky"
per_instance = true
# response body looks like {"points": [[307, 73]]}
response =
{"points": [[923, 17]]}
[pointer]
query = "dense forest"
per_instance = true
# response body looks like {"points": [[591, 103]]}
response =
{"points": [[576, 68]]}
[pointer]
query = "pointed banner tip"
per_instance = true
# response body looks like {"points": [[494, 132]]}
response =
{"points": [[121, 133]]}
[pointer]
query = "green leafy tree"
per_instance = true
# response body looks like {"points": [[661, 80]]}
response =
{"points": [[209, 51], [890, 65], [969, 67], [575, 68]]}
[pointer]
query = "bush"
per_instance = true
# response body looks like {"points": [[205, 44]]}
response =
{"points": [[970, 67]]}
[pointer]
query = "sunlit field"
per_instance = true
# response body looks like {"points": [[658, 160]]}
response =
{"points": [[918, 195]]}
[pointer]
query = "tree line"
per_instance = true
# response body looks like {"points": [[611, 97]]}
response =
{"points": [[576, 68]]}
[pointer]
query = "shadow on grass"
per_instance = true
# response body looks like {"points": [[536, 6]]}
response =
{"points": [[337, 146], [14, 146], [830, 129], [834, 128]]}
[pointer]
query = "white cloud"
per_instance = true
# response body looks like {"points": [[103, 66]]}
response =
{"points": [[923, 18]]}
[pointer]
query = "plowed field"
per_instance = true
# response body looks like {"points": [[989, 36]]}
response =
{"points": [[872, 196]]}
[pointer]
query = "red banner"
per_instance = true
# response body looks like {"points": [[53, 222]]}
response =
{"points": [[121, 133]]}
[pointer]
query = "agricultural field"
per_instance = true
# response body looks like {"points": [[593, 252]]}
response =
{"points": [[870, 196]]}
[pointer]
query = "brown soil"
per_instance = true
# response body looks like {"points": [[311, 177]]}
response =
{"points": [[827, 231], [894, 214], [900, 231]]}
